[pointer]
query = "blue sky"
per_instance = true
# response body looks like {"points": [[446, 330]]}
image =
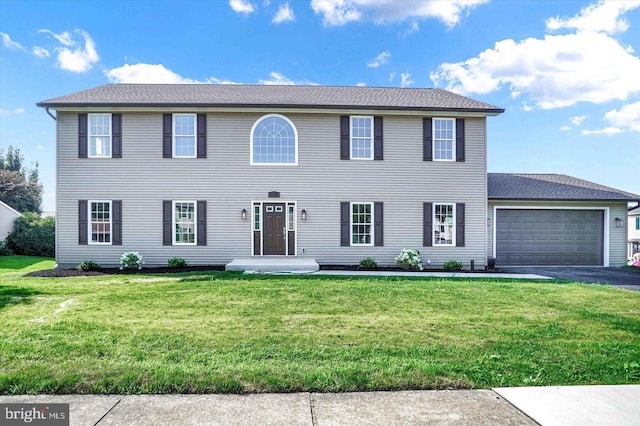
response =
{"points": [[567, 72]]}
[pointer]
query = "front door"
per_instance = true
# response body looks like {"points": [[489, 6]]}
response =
{"points": [[274, 222]]}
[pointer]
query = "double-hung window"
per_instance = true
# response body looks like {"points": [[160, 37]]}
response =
{"points": [[444, 139], [362, 221], [184, 222], [99, 135], [444, 224], [184, 135], [100, 222], [361, 137]]}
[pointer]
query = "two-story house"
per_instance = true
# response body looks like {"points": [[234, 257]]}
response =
{"points": [[211, 173]]}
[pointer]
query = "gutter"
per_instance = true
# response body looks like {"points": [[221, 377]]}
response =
{"points": [[50, 115]]}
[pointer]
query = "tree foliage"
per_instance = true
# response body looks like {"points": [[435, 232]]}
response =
{"points": [[33, 236], [20, 187]]}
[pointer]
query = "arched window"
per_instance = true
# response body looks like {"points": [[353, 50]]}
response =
{"points": [[274, 140]]}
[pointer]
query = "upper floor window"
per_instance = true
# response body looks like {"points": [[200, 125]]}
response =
{"points": [[637, 223], [99, 135], [274, 140], [444, 139], [361, 138], [100, 222], [444, 224], [184, 135]]}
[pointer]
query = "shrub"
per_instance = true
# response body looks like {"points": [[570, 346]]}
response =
{"points": [[33, 236], [452, 265], [4, 250], [409, 259], [368, 263], [131, 260], [88, 265], [177, 263]]}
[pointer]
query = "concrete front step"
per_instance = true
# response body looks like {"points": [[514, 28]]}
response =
{"points": [[282, 264]]}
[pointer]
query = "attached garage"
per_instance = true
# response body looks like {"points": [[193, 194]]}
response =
{"points": [[561, 237]]}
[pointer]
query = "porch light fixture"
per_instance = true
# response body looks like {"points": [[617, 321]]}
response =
{"points": [[243, 214], [303, 214], [619, 222]]}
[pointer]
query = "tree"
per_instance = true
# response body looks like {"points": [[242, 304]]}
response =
{"points": [[20, 186]]}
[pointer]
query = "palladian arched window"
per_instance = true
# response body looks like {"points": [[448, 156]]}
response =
{"points": [[274, 140]]}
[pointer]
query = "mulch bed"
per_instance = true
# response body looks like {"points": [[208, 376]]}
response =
{"points": [[52, 273]]}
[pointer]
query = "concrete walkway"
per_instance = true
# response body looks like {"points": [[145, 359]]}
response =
{"points": [[570, 405]]}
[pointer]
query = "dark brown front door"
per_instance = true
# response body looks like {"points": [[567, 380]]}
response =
{"points": [[274, 228]]}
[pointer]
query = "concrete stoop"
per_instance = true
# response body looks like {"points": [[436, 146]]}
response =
{"points": [[274, 264]]}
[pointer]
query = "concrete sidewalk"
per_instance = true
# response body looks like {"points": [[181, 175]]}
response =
{"points": [[570, 405]]}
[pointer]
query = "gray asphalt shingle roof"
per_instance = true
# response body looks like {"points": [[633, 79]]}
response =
{"points": [[267, 95], [517, 186]]}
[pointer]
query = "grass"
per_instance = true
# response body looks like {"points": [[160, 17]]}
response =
{"points": [[225, 332]]}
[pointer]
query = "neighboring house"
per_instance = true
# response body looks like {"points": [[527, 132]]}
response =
{"points": [[8, 216], [634, 230], [211, 173]]}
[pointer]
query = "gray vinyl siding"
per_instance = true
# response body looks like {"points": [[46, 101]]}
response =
{"points": [[225, 179], [8, 218], [617, 236]]}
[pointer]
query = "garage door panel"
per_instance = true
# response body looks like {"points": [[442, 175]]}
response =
{"points": [[549, 237]]}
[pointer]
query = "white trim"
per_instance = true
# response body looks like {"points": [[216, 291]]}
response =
{"points": [[89, 223], [371, 140], [173, 222], [173, 134], [453, 229], [89, 135], [433, 140], [373, 223], [286, 203], [295, 135], [605, 237]]}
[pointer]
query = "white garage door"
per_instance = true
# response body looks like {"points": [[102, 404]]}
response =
{"points": [[549, 237]]}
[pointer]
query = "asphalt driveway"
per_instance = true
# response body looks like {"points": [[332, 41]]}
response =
{"points": [[617, 277]]}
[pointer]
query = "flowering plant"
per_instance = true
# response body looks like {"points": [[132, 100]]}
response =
{"points": [[409, 259], [635, 260], [131, 260]]}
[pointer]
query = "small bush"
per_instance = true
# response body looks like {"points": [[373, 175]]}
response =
{"points": [[409, 259], [4, 250], [131, 260], [33, 236], [177, 263], [452, 265], [368, 263], [88, 265]]}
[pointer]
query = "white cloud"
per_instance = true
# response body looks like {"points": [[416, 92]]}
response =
{"points": [[578, 120], [242, 6], [565, 128], [73, 56], [341, 12], [40, 147], [145, 73], [381, 59], [414, 27], [361, 84], [602, 16], [8, 43], [277, 78], [405, 79], [285, 14], [392, 76], [628, 117], [40, 52], [608, 131], [11, 111]]}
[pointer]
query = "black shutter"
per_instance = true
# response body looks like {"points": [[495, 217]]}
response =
{"points": [[460, 139], [377, 139], [202, 135], [344, 138], [167, 223], [202, 223], [82, 136], [460, 224], [427, 224], [427, 139], [167, 136], [116, 135], [378, 219], [83, 222], [116, 222], [345, 221]]}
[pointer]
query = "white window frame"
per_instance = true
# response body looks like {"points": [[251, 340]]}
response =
{"points": [[453, 226], [195, 222], [174, 135], [90, 223], [91, 135], [351, 138], [295, 136], [372, 224], [453, 140]]}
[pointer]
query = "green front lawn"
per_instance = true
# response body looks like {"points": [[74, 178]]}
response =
{"points": [[226, 332]]}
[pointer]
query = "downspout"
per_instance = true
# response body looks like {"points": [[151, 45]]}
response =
{"points": [[50, 115]]}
